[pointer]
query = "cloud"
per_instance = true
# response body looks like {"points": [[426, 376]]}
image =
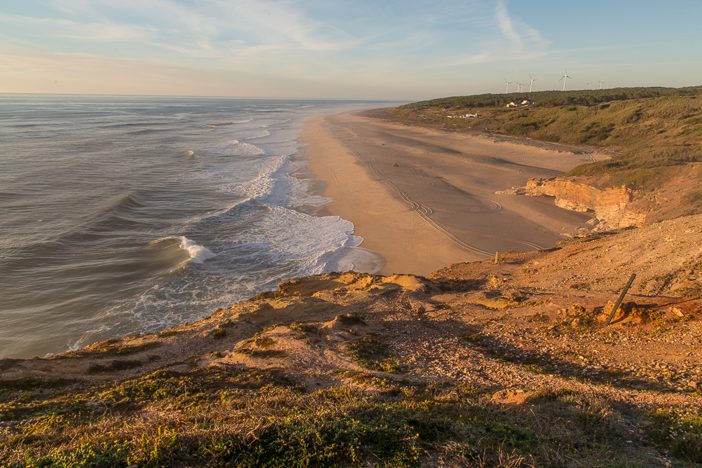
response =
{"points": [[279, 23], [284, 23], [504, 20], [317, 44], [474, 59]]}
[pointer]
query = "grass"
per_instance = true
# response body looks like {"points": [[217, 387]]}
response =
{"points": [[219, 332], [256, 418], [259, 347], [679, 433], [373, 353], [655, 131], [600, 98]]}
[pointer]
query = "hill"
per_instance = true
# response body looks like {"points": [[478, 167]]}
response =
{"points": [[654, 134]]}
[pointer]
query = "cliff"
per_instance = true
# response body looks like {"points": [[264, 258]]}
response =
{"points": [[483, 363], [611, 207]]}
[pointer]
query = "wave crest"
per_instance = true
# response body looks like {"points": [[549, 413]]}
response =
{"points": [[245, 149], [197, 252]]}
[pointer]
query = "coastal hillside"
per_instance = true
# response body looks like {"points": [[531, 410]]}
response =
{"points": [[520, 359], [228, 238], [492, 363], [654, 135]]}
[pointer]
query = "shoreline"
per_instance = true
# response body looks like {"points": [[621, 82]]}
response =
{"points": [[423, 199], [387, 226]]}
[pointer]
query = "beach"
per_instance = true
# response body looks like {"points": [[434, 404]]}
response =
{"points": [[423, 199]]}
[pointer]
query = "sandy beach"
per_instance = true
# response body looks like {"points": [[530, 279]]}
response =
{"points": [[423, 199]]}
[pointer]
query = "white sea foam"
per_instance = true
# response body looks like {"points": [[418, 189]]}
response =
{"points": [[198, 253], [235, 148], [261, 186], [305, 239], [239, 148], [262, 134]]}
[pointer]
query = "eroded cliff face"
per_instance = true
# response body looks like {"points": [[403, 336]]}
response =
{"points": [[611, 207]]}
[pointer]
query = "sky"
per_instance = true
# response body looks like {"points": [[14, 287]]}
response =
{"points": [[346, 49]]}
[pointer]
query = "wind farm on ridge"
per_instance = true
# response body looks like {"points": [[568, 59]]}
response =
{"points": [[519, 86]]}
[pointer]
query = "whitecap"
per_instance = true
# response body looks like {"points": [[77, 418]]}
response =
{"points": [[244, 149], [236, 148], [261, 186], [198, 253]]}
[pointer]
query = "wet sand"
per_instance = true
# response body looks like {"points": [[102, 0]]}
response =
{"points": [[424, 199]]}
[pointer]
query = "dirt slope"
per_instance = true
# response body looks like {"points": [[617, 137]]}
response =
{"points": [[482, 363]]}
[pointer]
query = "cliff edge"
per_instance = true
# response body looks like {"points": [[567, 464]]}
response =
{"points": [[508, 363]]}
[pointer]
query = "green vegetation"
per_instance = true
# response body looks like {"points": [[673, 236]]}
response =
{"points": [[373, 353], [679, 433], [219, 332], [257, 418], [655, 132], [555, 98]]}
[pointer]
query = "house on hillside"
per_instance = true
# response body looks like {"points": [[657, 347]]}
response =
{"points": [[464, 116], [522, 103]]}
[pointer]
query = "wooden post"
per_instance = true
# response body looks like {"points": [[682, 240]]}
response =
{"points": [[497, 257], [621, 298]]}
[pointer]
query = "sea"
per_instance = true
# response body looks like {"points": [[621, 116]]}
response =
{"points": [[123, 215]]}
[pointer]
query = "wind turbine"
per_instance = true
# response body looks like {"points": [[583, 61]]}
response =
{"points": [[507, 84], [601, 83], [531, 83], [565, 79], [520, 86]]}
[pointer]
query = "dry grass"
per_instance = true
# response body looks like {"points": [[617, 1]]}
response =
{"points": [[255, 418], [363, 379]]}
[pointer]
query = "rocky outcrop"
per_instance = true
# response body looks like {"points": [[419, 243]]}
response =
{"points": [[611, 207]]}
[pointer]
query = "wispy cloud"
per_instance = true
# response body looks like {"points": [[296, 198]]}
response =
{"points": [[207, 28], [504, 20], [88, 31], [281, 40], [283, 22], [473, 59], [504, 39]]}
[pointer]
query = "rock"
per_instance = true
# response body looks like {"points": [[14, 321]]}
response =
{"points": [[611, 206]]}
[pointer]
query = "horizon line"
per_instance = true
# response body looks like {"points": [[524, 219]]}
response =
{"points": [[282, 98]]}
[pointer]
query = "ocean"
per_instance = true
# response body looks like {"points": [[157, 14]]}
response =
{"points": [[123, 215]]}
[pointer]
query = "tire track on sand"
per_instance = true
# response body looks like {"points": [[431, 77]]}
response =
{"points": [[424, 211]]}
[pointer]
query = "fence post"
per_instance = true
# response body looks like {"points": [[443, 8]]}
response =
{"points": [[621, 298]]}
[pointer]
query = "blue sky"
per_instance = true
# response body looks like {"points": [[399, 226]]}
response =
{"points": [[392, 49]]}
